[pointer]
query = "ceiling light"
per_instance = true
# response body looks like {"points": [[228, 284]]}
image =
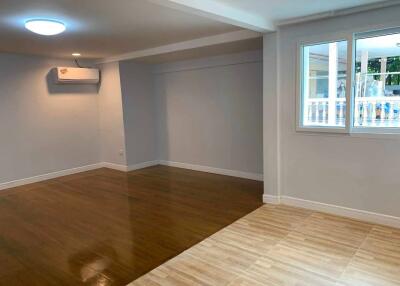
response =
{"points": [[45, 27], [76, 54]]}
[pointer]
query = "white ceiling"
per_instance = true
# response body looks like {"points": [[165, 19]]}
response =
{"points": [[205, 51], [100, 28], [109, 29]]}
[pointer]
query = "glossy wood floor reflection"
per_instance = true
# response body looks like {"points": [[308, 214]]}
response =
{"points": [[106, 227], [285, 246]]}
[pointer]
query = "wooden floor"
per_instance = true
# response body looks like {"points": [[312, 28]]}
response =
{"points": [[106, 227], [278, 245]]}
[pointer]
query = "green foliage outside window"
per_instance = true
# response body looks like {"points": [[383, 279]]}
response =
{"points": [[374, 66]]}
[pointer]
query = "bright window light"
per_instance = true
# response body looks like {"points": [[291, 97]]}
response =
{"points": [[324, 74], [45, 27], [377, 82]]}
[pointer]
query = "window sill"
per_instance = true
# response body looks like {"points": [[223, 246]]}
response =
{"points": [[383, 133], [370, 133], [321, 129]]}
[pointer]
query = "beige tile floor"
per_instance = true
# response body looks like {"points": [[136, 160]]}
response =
{"points": [[281, 245]]}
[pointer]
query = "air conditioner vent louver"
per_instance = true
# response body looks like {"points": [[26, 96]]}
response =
{"points": [[69, 75]]}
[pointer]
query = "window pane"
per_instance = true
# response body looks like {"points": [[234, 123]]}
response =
{"points": [[377, 91], [324, 85]]}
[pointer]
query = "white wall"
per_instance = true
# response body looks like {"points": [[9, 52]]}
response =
{"points": [[111, 123], [44, 128], [210, 112], [270, 115], [139, 112], [354, 172]]}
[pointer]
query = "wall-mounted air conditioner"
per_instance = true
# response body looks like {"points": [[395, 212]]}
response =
{"points": [[65, 75]]}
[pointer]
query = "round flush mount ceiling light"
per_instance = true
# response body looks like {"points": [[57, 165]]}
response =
{"points": [[76, 54], [45, 27]]}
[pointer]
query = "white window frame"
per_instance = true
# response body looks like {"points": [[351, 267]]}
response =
{"points": [[349, 129], [369, 130], [300, 88]]}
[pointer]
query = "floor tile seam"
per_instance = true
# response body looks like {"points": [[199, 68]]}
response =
{"points": [[354, 255], [321, 275], [294, 230]]}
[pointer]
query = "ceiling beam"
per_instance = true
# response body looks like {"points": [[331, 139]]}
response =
{"points": [[186, 45], [220, 12], [339, 12]]}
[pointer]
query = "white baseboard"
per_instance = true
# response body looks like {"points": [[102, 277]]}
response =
{"points": [[49, 176], [125, 168], [367, 216], [118, 167], [233, 173], [67, 172], [142, 165], [269, 199], [323, 207]]}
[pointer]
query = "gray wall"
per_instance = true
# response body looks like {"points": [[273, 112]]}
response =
{"points": [[350, 171], [139, 111], [210, 112], [205, 112], [111, 123], [44, 128]]}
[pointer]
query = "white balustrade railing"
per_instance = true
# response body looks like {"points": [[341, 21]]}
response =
{"points": [[377, 110], [368, 111], [371, 106], [317, 111]]}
